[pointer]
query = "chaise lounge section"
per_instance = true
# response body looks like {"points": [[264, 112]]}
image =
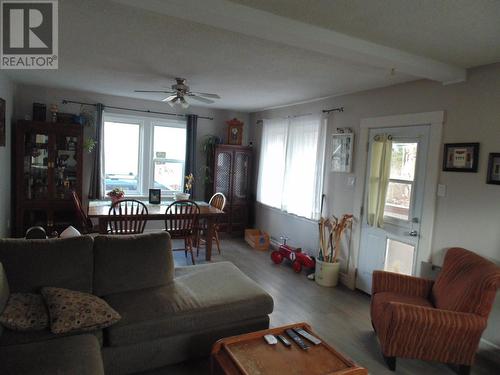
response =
{"points": [[168, 315]]}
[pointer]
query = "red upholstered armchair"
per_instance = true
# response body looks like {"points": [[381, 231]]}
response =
{"points": [[435, 321]]}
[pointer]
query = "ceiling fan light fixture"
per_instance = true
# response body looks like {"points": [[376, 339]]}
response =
{"points": [[184, 103], [172, 102]]}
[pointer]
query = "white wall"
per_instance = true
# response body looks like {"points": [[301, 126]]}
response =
{"points": [[27, 95], [469, 214], [6, 92]]}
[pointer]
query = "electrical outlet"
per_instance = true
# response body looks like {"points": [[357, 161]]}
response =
{"points": [[441, 192]]}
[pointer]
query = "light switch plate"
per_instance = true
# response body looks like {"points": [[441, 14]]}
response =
{"points": [[441, 190], [351, 181]]}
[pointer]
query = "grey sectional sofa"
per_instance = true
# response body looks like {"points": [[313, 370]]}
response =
{"points": [[168, 315]]}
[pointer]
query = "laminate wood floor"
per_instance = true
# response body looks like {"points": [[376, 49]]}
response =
{"points": [[341, 316]]}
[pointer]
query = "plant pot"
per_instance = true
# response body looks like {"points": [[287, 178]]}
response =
{"points": [[327, 274], [181, 196]]}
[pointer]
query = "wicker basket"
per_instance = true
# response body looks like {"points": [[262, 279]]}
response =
{"points": [[258, 239]]}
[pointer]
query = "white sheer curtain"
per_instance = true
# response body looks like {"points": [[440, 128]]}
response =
{"points": [[291, 165], [272, 162]]}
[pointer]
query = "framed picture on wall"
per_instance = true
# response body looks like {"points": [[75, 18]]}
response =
{"points": [[493, 176], [2, 122], [341, 156], [461, 157]]}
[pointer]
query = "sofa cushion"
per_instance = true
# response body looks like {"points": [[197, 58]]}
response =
{"points": [[75, 355], [467, 283], [203, 296], [25, 312], [380, 301], [10, 337], [132, 262], [32, 264], [4, 292], [72, 311]]}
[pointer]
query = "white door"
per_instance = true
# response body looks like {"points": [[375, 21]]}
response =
{"points": [[394, 247]]}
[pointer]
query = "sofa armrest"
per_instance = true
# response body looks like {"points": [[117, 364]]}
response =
{"points": [[383, 281], [432, 334]]}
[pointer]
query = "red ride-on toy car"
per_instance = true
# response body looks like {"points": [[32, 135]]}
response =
{"points": [[296, 256]]}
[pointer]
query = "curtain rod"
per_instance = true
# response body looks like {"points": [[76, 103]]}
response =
{"points": [[338, 109], [135, 110]]}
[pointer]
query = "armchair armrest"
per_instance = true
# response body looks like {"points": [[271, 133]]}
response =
{"points": [[432, 334], [383, 281]]}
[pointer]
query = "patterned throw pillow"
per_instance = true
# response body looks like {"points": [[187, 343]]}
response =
{"points": [[25, 312], [71, 311]]}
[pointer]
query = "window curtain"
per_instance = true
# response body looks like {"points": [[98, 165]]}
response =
{"points": [[291, 165], [272, 162], [96, 189], [380, 169], [190, 162]]}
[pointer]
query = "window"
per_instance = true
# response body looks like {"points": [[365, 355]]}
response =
{"points": [[142, 153], [291, 165], [401, 181]]}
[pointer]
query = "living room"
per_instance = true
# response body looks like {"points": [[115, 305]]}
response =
{"points": [[375, 121]]}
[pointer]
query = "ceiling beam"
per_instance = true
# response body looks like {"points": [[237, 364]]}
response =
{"points": [[238, 18]]}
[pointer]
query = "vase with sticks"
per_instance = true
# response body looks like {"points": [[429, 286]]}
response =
{"points": [[331, 231]]}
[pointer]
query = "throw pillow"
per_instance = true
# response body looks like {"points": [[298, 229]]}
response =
{"points": [[25, 312], [71, 311]]}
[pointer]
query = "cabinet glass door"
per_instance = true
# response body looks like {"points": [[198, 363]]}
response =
{"points": [[65, 166], [241, 176], [36, 166], [223, 173]]}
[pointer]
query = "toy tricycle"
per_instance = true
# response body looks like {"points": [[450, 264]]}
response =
{"points": [[296, 256]]}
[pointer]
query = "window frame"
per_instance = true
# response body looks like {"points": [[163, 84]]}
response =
{"points": [[145, 170]]}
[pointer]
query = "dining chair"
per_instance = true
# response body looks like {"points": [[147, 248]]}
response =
{"points": [[85, 224], [218, 201], [181, 218], [127, 216]]}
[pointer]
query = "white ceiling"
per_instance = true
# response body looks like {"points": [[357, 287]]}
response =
{"points": [[460, 32], [112, 48]]}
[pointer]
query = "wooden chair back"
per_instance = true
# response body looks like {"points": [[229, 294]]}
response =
{"points": [[218, 200], [181, 218], [85, 222], [127, 216]]}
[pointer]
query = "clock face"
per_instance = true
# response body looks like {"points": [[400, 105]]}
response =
{"points": [[234, 131]]}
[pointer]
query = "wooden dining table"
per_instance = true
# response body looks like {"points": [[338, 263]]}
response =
{"points": [[100, 210]]}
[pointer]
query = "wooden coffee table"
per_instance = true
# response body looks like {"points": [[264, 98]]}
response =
{"points": [[249, 354]]}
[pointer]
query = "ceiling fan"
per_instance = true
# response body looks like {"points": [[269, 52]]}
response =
{"points": [[180, 91]]}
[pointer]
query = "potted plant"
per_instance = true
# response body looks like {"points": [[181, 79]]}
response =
{"points": [[116, 195], [330, 234], [188, 187]]}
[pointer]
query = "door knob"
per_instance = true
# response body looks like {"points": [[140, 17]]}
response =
{"points": [[413, 233]]}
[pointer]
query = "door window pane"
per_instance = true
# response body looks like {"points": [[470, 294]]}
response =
{"points": [[403, 161], [121, 156], [398, 199], [399, 257]]}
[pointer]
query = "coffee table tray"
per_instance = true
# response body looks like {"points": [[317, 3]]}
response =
{"points": [[249, 354]]}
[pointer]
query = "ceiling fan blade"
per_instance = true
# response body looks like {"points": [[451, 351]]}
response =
{"points": [[161, 91], [206, 94], [172, 102], [169, 98], [200, 99]]}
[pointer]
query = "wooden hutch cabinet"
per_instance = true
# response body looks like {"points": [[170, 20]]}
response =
{"points": [[232, 177], [48, 166]]}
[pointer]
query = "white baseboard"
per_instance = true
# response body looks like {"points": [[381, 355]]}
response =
{"points": [[490, 345]]}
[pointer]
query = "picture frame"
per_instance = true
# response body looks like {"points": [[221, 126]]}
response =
{"points": [[493, 176], [155, 196], [342, 152], [3, 130], [234, 132], [461, 157]]}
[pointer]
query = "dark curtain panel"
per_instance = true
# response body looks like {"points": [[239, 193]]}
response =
{"points": [[190, 165], [96, 183]]}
